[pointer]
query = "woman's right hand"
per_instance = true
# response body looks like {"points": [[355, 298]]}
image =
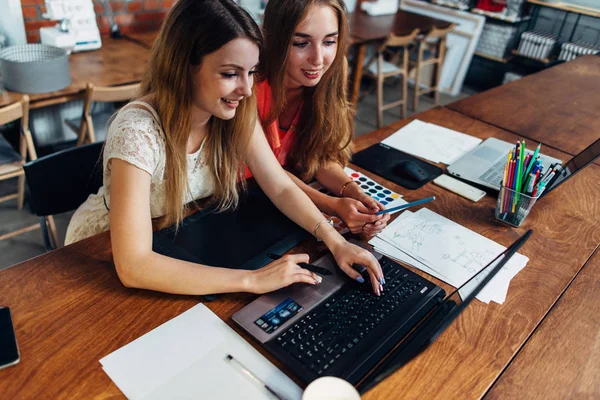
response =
{"points": [[281, 273], [356, 215]]}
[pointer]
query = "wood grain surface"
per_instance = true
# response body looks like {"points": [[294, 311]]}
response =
{"points": [[118, 62], [70, 309], [562, 358], [558, 106], [365, 28]]}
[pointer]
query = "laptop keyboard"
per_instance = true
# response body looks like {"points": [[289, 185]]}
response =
{"points": [[322, 337], [494, 174]]}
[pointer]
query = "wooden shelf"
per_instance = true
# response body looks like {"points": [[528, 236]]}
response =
{"points": [[544, 61], [591, 12], [487, 56], [498, 16], [449, 4]]}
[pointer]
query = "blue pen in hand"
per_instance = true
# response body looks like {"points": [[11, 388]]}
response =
{"points": [[405, 206]]}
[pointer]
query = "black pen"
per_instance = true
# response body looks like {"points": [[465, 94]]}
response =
{"points": [[253, 377], [310, 267]]}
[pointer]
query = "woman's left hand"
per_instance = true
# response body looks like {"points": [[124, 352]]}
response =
{"points": [[347, 254], [375, 206]]}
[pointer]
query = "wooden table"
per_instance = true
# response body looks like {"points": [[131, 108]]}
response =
{"points": [[70, 309], [366, 29], [562, 358], [145, 39], [118, 62], [558, 106]]}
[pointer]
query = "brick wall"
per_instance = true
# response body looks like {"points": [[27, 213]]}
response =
{"points": [[131, 16]]}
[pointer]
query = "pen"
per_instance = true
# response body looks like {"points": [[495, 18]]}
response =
{"points": [[310, 267], [405, 206], [253, 377]]}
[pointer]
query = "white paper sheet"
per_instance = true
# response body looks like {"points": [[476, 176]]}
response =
{"points": [[447, 251], [185, 358], [432, 142]]}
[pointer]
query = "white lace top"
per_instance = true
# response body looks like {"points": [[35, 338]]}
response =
{"points": [[135, 136]]}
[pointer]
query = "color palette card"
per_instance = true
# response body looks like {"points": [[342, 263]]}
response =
{"points": [[385, 196]]}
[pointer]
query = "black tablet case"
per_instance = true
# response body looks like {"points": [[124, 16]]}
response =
{"points": [[240, 238], [381, 160]]}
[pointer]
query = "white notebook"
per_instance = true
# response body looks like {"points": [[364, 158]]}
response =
{"points": [[184, 358]]}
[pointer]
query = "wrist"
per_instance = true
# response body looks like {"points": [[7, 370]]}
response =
{"points": [[247, 281], [353, 191], [330, 236]]}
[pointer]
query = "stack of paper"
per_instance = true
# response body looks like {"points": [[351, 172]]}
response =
{"points": [[432, 142], [185, 358], [447, 251]]}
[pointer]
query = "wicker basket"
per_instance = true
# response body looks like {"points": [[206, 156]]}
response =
{"points": [[35, 68]]}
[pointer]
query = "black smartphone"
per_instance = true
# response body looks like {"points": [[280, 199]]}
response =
{"points": [[9, 352]]}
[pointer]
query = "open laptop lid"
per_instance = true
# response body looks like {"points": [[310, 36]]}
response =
{"points": [[437, 321], [575, 165]]}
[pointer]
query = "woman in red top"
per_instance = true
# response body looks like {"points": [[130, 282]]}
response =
{"points": [[303, 105]]}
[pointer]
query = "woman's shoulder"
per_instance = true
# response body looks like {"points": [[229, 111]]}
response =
{"points": [[138, 116], [264, 98]]}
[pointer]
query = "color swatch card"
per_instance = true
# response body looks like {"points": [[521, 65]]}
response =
{"points": [[385, 196]]}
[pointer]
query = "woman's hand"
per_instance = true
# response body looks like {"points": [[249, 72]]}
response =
{"points": [[347, 254], [360, 217], [281, 273]]}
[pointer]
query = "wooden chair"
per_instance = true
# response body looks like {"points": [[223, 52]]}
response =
{"points": [[436, 41], [11, 162], [86, 132], [396, 47]]}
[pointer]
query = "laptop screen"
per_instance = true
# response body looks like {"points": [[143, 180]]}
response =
{"points": [[240, 238], [438, 320], [576, 164]]}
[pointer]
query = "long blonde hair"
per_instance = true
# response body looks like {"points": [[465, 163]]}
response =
{"points": [[325, 129], [191, 30]]}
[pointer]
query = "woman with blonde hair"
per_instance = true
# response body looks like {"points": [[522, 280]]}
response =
{"points": [[303, 105], [185, 138]]}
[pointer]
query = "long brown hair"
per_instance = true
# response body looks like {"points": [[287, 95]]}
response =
{"points": [[325, 130], [191, 30]]}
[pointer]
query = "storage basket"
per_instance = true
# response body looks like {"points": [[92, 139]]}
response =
{"points": [[35, 68]]}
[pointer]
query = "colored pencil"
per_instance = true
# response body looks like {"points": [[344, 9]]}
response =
{"points": [[405, 206]]}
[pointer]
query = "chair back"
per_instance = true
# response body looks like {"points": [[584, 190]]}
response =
{"points": [[112, 93], [14, 111], [62, 181], [398, 41], [436, 33]]}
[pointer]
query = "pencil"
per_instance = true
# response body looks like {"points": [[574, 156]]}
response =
{"points": [[405, 206]]}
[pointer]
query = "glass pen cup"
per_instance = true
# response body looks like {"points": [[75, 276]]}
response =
{"points": [[513, 207]]}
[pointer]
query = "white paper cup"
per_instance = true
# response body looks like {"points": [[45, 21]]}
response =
{"points": [[330, 388]]}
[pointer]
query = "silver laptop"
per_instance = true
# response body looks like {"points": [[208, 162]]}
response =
{"points": [[484, 165]]}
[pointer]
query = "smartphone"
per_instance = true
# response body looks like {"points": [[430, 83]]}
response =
{"points": [[9, 352]]}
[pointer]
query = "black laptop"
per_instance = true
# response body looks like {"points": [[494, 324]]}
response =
{"points": [[240, 238], [340, 328]]}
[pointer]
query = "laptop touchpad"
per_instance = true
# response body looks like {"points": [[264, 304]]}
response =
{"points": [[487, 153]]}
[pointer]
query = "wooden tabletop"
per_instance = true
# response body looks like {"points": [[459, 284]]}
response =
{"points": [[144, 38], [562, 358], [558, 106], [366, 28], [118, 62], [70, 309]]}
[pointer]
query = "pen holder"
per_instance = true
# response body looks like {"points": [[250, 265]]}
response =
{"points": [[512, 207]]}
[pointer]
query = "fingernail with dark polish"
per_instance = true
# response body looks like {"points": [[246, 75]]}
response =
{"points": [[360, 279]]}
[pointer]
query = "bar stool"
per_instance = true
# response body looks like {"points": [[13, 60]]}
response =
{"points": [[436, 41], [396, 47]]}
